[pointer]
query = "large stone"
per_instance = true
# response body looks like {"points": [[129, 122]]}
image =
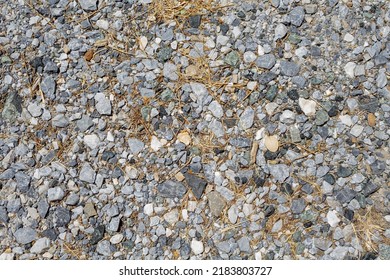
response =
{"points": [[280, 172], [289, 68], [12, 107], [297, 15], [103, 104], [266, 61], [87, 174], [25, 235], [171, 189], [88, 5], [216, 203], [196, 184]]}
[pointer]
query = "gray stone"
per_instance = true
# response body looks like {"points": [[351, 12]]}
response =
{"points": [[243, 244], [43, 208], [171, 189], [35, 110], [381, 80], [25, 235], [216, 127], [224, 246], [12, 107], [339, 253], [343, 171], [3, 215], [113, 226], [384, 251], [322, 244], [60, 120], [7, 174], [280, 31], [87, 174], [40, 245], [103, 104], [369, 188], [216, 109], [84, 123], [97, 234], [196, 184], [280, 172], [88, 5], [61, 217], [266, 61], [232, 58], [55, 194], [135, 145], [72, 199], [104, 248], [289, 68], [164, 54], [297, 15], [23, 181], [265, 78], [345, 195], [194, 21], [322, 117], [48, 87], [247, 118], [170, 71], [298, 205], [216, 203]]}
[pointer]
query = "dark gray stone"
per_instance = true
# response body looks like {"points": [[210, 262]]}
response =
{"points": [[97, 234], [48, 87], [344, 171], [265, 78], [43, 207], [196, 184], [164, 54], [297, 15], [7, 174], [288, 68], [61, 217], [345, 195], [171, 189], [195, 21], [369, 188]]}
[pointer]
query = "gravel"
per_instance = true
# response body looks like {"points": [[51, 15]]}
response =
{"points": [[143, 138]]}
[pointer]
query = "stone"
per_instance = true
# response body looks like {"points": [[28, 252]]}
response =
{"points": [[349, 69], [298, 205], [369, 188], [35, 110], [348, 37], [88, 5], [307, 106], [216, 203], [103, 24], [104, 248], [381, 80], [55, 194], [84, 123], [23, 181], [97, 234], [184, 137], [196, 184], [216, 109], [280, 172], [356, 130], [48, 87], [87, 173], [280, 31], [289, 68], [92, 141], [103, 104], [345, 195], [3, 215], [89, 209], [233, 214], [135, 145], [339, 253], [72, 199], [164, 54], [40, 245], [195, 21], [322, 244], [116, 239], [61, 217], [297, 15], [232, 58], [200, 93], [287, 117], [197, 247], [332, 218], [249, 57], [171, 189], [322, 117], [277, 226], [155, 144], [384, 251], [246, 118], [266, 61], [343, 171], [244, 244], [60, 120], [148, 209], [172, 217], [25, 235], [12, 107], [170, 71], [43, 208]]}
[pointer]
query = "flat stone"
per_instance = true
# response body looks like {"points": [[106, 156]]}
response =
{"points": [[84, 123], [349, 69], [171, 189], [384, 252], [196, 184], [233, 214], [307, 106], [23, 181], [88, 5], [195, 21], [343, 171], [249, 57], [232, 58], [89, 209], [172, 217], [277, 226], [322, 117], [43, 208], [12, 107], [345, 195], [170, 71], [216, 203], [48, 87], [3, 215], [97, 234], [92, 141], [244, 244], [332, 218], [148, 209], [103, 104], [246, 118], [280, 31], [339, 253], [61, 217], [216, 109], [135, 145], [200, 92], [197, 247], [369, 188], [298, 205], [35, 109], [25, 235], [297, 15], [40, 245], [289, 68], [287, 117], [55, 194], [266, 61], [87, 173], [60, 120], [322, 244], [104, 248], [280, 172], [116, 239], [164, 54], [356, 130]]}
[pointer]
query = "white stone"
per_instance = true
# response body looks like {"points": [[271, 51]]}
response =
{"points": [[103, 24], [116, 239], [216, 109], [148, 209], [260, 50], [332, 218], [270, 108], [233, 214], [346, 119], [92, 141], [155, 144], [356, 130], [143, 41], [247, 209], [251, 85], [287, 117], [249, 57], [280, 31], [277, 226], [349, 69], [197, 247], [348, 37], [172, 216], [308, 106]]}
